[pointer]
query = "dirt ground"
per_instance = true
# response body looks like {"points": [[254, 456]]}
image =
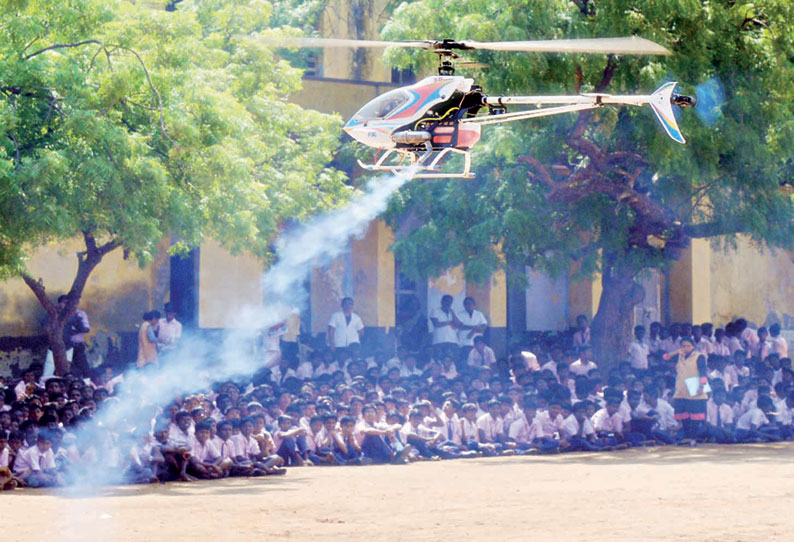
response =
{"points": [[737, 493]]}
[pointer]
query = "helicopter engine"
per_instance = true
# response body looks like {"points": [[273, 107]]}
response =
{"points": [[411, 137]]}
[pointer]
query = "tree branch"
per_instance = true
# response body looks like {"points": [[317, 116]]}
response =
{"points": [[155, 92], [16, 149], [37, 286], [543, 174], [60, 46], [710, 229]]}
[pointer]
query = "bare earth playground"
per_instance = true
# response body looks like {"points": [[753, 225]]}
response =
{"points": [[726, 493]]}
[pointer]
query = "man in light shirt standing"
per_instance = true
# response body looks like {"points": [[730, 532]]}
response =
{"points": [[344, 328], [444, 325], [472, 324], [169, 331], [638, 350]]}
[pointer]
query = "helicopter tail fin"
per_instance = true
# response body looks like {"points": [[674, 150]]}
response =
{"points": [[662, 104]]}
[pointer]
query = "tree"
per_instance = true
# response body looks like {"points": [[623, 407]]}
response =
{"points": [[124, 124], [606, 189]]}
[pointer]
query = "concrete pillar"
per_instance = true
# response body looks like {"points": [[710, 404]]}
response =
{"points": [[491, 299], [689, 286], [373, 276]]}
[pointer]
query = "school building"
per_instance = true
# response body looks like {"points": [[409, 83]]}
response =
{"points": [[211, 285]]}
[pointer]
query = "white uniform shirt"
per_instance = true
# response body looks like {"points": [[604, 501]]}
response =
{"points": [[570, 427], [443, 334], [755, 416], [345, 333], [169, 333], [638, 355], [608, 423], [476, 319], [32, 459]]}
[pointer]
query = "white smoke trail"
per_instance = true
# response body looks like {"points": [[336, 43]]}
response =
{"points": [[200, 363]]}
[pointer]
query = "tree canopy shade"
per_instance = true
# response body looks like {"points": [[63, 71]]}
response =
{"points": [[125, 124], [606, 188]]}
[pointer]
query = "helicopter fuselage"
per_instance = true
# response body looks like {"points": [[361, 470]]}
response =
{"points": [[428, 111]]}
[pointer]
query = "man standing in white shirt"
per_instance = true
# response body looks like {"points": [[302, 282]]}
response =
{"points": [[472, 324], [638, 350], [445, 323], [169, 331], [344, 328]]}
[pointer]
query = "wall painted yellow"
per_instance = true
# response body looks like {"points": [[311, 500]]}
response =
{"points": [[584, 295], [227, 285], [118, 292], [756, 283], [491, 298], [690, 284]]}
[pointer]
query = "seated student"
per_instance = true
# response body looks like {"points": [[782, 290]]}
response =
{"points": [[665, 427], [286, 442], [470, 432], [136, 467], [232, 462], [345, 445], [180, 433], [638, 429], [754, 426], [205, 458], [319, 452], [263, 458], [527, 432], [784, 407], [585, 363], [35, 467], [168, 462], [7, 481], [424, 439], [577, 432], [608, 421], [719, 419], [371, 437], [490, 427], [551, 418]]}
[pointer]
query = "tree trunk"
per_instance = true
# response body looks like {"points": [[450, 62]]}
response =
{"points": [[57, 316], [611, 330]]}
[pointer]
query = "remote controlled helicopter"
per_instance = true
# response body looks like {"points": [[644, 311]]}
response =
{"points": [[423, 124]]}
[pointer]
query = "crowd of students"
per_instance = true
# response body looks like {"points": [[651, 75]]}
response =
{"points": [[681, 384]]}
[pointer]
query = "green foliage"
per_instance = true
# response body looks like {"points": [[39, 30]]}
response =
{"points": [[153, 124], [725, 181]]}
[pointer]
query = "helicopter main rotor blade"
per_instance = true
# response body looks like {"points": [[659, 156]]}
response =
{"points": [[617, 46], [288, 42]]}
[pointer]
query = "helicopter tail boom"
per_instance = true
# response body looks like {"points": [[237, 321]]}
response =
{"points": [[661, 102]]}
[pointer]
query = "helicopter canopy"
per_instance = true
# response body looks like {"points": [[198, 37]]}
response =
{"points": [[382, 106]]}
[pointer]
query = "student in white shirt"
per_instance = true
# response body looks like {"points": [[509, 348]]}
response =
{"points": [[753, 425], [345, 327], [638, 350], [444, 324], [779, 344], [472, 323], [169, 330], [578, 432], [35, 467], [584, 364], [481, 355]]}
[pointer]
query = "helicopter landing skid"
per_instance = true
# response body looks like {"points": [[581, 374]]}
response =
{"points": [[426, 165]]}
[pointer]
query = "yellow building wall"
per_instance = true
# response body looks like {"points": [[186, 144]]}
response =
{"points": [[757, 284], [342, 97], [228, 284], [584, 296], [690, 284], [491, 298], [116, 295]]}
